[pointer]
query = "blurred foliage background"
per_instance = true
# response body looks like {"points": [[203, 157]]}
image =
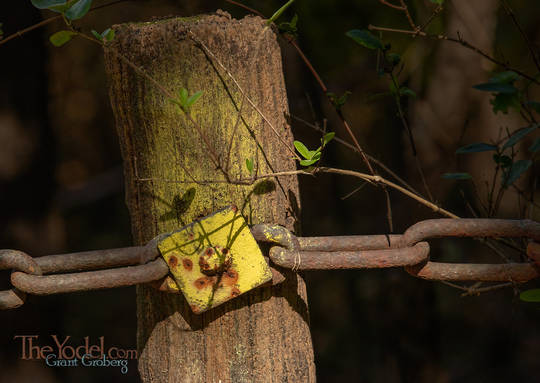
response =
{"points": [[61, 186]]}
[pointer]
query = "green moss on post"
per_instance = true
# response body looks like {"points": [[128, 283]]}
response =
{"points": [[262, 335]]}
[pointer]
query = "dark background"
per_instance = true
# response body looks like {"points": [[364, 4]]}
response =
{"points": [[61, 188]]}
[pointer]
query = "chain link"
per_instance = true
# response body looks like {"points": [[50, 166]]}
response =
{"points": [[102, 269]]}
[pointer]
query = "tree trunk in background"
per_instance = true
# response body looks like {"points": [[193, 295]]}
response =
{"points": [[452, 113], [262, 335]]}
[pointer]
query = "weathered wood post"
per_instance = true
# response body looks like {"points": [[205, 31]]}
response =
{"points": [[262, 335]]}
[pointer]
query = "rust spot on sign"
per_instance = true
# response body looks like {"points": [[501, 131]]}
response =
{"points": [[229, 278], [188, 264], [173, 261], [204, 282], [235, 292]]}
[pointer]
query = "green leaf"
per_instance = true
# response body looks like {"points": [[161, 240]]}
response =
{"points": [[457, 176], [500, 83], [494, 87], [315, 154], [183, 93], [279, 12], [514, 138], [404, 91], [532, 295], [365, 38], [175, 101], [535, 146], [507, 77], [60, 6], [503, 101], [327, 138], [108, 34], [302, 149], [78, 10], [439, 2], [289, 27], [60, 38], [249, 165], [476, 148], [194, 97], [46, 4], [97, 35], [307, 162], [517, 169], [338, 101]]}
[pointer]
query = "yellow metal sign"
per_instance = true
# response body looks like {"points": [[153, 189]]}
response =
{"points": [[214, 259]]}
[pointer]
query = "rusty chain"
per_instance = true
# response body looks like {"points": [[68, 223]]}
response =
{"points": [[102, 269]]}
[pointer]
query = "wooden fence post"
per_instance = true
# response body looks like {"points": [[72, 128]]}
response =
{"points": [[263, 335]]}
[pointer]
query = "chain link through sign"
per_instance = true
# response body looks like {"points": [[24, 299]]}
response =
{"points": [[128, 266]]}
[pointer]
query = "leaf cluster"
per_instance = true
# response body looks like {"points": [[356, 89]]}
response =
{"points": [[312, 156], [184, 100]]}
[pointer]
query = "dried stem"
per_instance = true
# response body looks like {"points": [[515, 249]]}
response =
{"points": [[364, 176], [371, 158]]}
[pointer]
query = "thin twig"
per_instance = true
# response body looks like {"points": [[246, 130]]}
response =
{"points": [[354, 191], [388, 4], [405, 124], [371, 158], [474, 290], [431, 17], [457, 41], [246, 8], [389, 218], [378, 179], [510, 13], [364, 176], [233, 134], [408, 15]]}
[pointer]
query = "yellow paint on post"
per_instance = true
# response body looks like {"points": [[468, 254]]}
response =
{"points": [[214, 259]]}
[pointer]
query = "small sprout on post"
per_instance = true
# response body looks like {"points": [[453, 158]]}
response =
{"points": [[289, 27], [249, 165], [279, 12], [106, 36], [184, 101]]}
